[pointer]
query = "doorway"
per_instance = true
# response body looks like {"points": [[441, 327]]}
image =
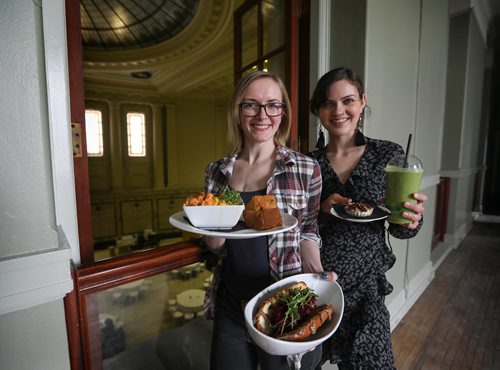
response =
{"points": [[491, 198], [182, 84], [186, 114]]}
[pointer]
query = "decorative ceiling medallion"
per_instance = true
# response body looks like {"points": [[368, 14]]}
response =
{"points": [[129, 24], [142, 75]]}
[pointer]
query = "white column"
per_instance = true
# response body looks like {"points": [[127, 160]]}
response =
{"points": [[56, 65], [324, 25], [324, 30]]}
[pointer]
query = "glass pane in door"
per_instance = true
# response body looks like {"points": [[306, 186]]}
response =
{"points": [[276, 65], [249, 36], [273, 15], [153, 323]]}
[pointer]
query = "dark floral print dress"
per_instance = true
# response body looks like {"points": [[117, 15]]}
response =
{"points": [[358, 253]]}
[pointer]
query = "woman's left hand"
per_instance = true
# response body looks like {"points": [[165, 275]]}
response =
{"points": [[417, 208]]}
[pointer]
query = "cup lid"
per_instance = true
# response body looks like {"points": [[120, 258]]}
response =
{"points": [[412, 162]]}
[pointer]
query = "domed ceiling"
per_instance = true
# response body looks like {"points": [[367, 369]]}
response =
{"points": [[157, 49], [126, 24]]}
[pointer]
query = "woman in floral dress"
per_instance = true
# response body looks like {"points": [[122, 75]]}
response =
{"points": [[352, 167]]}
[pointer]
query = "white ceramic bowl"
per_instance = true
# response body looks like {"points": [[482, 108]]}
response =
{"points": [[327, 291], [214, 217]]}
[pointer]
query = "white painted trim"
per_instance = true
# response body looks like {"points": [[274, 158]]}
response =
{"points": [[418, 284], [34, 278], [456, 7], [456, 238], [429, 181], [482, 12], [56, 64], [459, 174], [400, 306], [324, 23], [452, 242], [488, 218], [324, 31], [443, 256], [396, 309]]}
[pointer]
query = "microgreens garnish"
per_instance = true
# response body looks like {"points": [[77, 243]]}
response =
{"points": [[231, 196], [294, 301]]}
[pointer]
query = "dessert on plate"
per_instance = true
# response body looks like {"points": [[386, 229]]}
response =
{"points": [[359, 209]]}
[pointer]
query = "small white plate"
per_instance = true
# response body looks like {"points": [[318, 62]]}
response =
{"points": [[240, 231], [379, 213]]}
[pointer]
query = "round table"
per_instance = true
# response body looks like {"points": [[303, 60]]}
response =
{"points": [[191, 300]]}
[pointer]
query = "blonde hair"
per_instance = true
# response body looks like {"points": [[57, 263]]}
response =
{"points": [[235, 132]]}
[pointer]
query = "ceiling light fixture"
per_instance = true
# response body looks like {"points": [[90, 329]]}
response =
{"points": [[143, 75]]}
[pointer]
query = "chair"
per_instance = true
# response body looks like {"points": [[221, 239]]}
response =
{"points": [[178, 318], [185, 274], [169, 313]]}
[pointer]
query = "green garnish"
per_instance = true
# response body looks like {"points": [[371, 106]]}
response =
{"points": [[294, 301], [231, 196]]}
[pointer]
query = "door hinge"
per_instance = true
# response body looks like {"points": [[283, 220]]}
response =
{"points": [[76, 134]]}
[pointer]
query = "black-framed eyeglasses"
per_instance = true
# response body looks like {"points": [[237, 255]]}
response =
{"points": [[251, 109]]}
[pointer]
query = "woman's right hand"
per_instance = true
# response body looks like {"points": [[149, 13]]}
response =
{"points": [[334, 198]]}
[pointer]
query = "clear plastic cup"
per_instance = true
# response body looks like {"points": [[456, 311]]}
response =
{"points": [[402, 179]]}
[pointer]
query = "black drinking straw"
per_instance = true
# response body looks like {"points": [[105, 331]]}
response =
{"points": [[407, 151]]}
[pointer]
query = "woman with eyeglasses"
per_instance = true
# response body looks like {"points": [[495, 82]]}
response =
{"points": [[352, 168], [259, 119]]}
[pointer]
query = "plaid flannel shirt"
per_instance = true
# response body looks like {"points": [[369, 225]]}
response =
{"points": [[296, 184]]}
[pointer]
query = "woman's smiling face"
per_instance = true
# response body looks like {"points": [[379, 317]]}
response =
{"points": [[340, 113], [261, 128]]}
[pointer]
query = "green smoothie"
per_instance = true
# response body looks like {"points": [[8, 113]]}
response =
{"points": [[400, 184]]}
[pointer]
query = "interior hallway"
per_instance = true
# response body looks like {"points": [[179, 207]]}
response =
{"points": [[455, 324]]}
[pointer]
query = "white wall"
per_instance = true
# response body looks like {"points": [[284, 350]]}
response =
{"points": [[396, 69], [25, 167], [34, 339], [34, 250]]}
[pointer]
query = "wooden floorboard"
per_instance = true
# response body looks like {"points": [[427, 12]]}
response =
{"points": [[455, 324]]}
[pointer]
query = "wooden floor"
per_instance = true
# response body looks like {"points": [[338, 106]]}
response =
{"points": [[455, 324]]}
